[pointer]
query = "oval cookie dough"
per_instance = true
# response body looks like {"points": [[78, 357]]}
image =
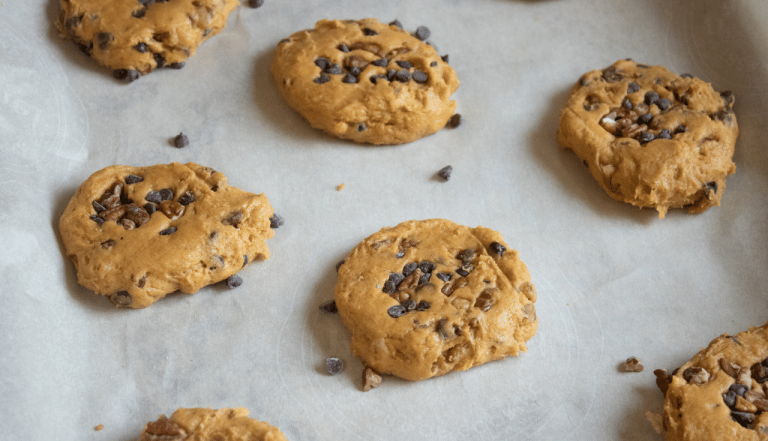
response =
{"points": [[210, 425], [365, 81], [429, 297], [136, 234], [721, 394], [650, 137]]}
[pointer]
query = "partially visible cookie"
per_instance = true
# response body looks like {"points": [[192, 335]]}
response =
{"points": [[429, 297], [210, 425], [134, 37], [365, 81], [136, 234], [650, 137], [721, 394]]}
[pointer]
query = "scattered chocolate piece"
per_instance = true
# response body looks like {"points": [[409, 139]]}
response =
{"points": [[651, 97], [98, 207], [334, 365], [276, 221], [696, 375], [663, 104], [744, 418], [381, 62], [454, 121], [180, 140], [408, 304], [234, 281], [255, 3], [329, 307], [168, 231], [423, 305], [245, 260], [445, 172], [626, 103], [376, 77], [422, 33], [632, 364], [371, 379], [391, 74], [426, 266], [664, 134]]}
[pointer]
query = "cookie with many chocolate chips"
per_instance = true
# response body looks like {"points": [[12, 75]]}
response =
{"points": [[650, 137], [209, 425], [429, 297], [722, 393], [136, 234], [365, 81], [134, 37]]}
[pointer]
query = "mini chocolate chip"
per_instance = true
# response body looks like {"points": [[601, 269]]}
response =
{"points": [[409, 268], [255, 3], [409, 305], [361, 127], [744, 418], [139, 13], [276, 221], [381, 62], [632, 87], [133, 179], [445, 172], [651, 97], [400, 255], [426, 266], [497, 248], [369, 32], [396, 311], [187, 198], [121, 298], [166, 194], [403, 76], [338, 265], [179, 65], [404, 64], [98, 207], [739, 389], [349, 79], [729, 398], [334, 69], [433, 64], [462, 272], [644, 137], [626, 103], [710, 186], [159, 60], [180, 140], [422, 33], [245, 260], [664, 134], [168, 231], [97, 219], [680, 129], [141, 47], [334, 365], [329, 307], [391, 74], [397, 23], [420, 77], [322, 79], [644, 118], [390, 285], [323, 63], [663, 104], [686, 75], [343, 47], [444, 276], [454, 121], [234, 281], [423, 305]]}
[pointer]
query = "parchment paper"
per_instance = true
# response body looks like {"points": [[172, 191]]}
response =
{"points": [[613, 281]]}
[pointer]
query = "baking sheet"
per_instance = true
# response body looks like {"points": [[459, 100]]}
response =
{"points": [[613, 281]]}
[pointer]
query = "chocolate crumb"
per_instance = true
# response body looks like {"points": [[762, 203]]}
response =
{"points": [[276, 221], [180, 140], [454, 121], [632, 364], [234, 281], [445, 172], [334, 365]]}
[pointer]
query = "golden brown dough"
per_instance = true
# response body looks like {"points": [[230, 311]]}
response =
{"points": [[210, 425]]}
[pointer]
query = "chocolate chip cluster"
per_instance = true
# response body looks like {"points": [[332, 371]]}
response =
{"points": [[746, 403]]}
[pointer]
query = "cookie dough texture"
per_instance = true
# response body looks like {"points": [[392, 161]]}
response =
{"points": [[182, 246], [721, 393], [454, 322], [210, 425], [612, 114], [382, 111], [142, 35]]}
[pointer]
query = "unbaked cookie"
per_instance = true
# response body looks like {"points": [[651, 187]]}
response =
{"points": [[721, 393], [134, 37], [136, 234], [210, 425], [366, 81], [650, 137], [428, 297]]}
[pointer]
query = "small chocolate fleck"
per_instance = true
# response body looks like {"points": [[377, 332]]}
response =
{"points": [[234, 281], [126, 75], [329, 307], [445, 172], [323, 63], [426, 266], [255, 3], [322, 79], [180, 140], [422, 33], [141, 47], [166, 194], [396, 311], [711, 186], [343, 47], [466, 255], [167, 231], [369, 32], [433, 64], [632, 87], [159, 60], [187, 198], [276, 221], [680, 129], [454, 121], [423, 305], [441, 328], [334, 365], [361, 127]]}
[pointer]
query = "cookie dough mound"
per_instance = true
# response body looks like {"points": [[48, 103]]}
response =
{"points": [[365, 81], [721, 393], [136, 234], [650, 137], [429, 297], [210, 425], [134, 37]]}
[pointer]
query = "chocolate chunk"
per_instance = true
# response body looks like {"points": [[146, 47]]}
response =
{"points": [[343, 47], [376, 77], [323, 63], [329, 307], [644, 118], [255, 3], [426, 266], [396, 311], [349, 79], [97, 219], [409, 268], [141, 47], [408, 304], [645, 137], [166, 194], [397, 23], [322, 79], [98, 207], [334, 365], [153, 197], [187, 198], [381, 62], [180, 140], [403, 76], [167, 231], [664, 134], [632, 87], [454, 121], [334, 69], [445, 172], [176, 66], [369, 32], [276, 221], [444, 276], [423, 305], [497, 248], [121, 298], [422, 33], [133, 179], [420, 77], [626, 103], [234, 281], [404, 64], [729, 398], [744, 418], [651, 97], [663, 104]]}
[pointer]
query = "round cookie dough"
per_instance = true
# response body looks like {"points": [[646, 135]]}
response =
{"points": [[721, 393], [136, 234], [429, 297], [365, 81], [650, 137], [210, 425], [134, 37]]}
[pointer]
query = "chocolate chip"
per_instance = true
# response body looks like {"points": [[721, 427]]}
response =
{"points": [[444, 276], [166, 194], [168, 231], [133, 179], [729, 398], [424, 279], [104, 40], [177, 66], [343, 47], [234, 281], [403, 76], [154, 197], [680, 129], [497, 248], [644, 118], [361, 127], [408, 304], [381, 62], [276, 221], [187, 198], [126, 75], [420, 77], [454, 120], [141, 47], [422, 33], [355, 71], [391, 74], [180, 140], [376, 77], [369, 32], [611, 75], [255, 3], [334, 69], [445, 172], [759, 373], [159, 60], [396, 311], [121, 298], [397, 23], [645, 137], [663, 104], [466, 255], [426, 266], [323, 63], [97, 219], [140, 13], [664, 134], [349, 79], [626, 103], [444, 58], [632, 87], [98, 207], [338, 265], [245, 260], [651, 97], [744, 418], [423, 305], [404, 64], [390, 285], [686, 75], [322, 79], [409, 268], [329, 307], [711, 186], [334, 365]]}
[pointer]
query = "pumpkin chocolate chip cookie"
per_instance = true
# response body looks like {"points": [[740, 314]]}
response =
{"points": [[136, 234], [429, 297], [134, 37], [366, 81], [650, 137], [722, 393], [209, 425]]}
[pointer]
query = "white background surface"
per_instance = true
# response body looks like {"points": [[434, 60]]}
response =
{"points": [[613, 281]]}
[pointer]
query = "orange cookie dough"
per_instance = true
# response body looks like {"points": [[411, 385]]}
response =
{"points": [[650, 137], [429, 297], [210, 425], [136, 234], [366, 81], [134, 37], [721, 393]]}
